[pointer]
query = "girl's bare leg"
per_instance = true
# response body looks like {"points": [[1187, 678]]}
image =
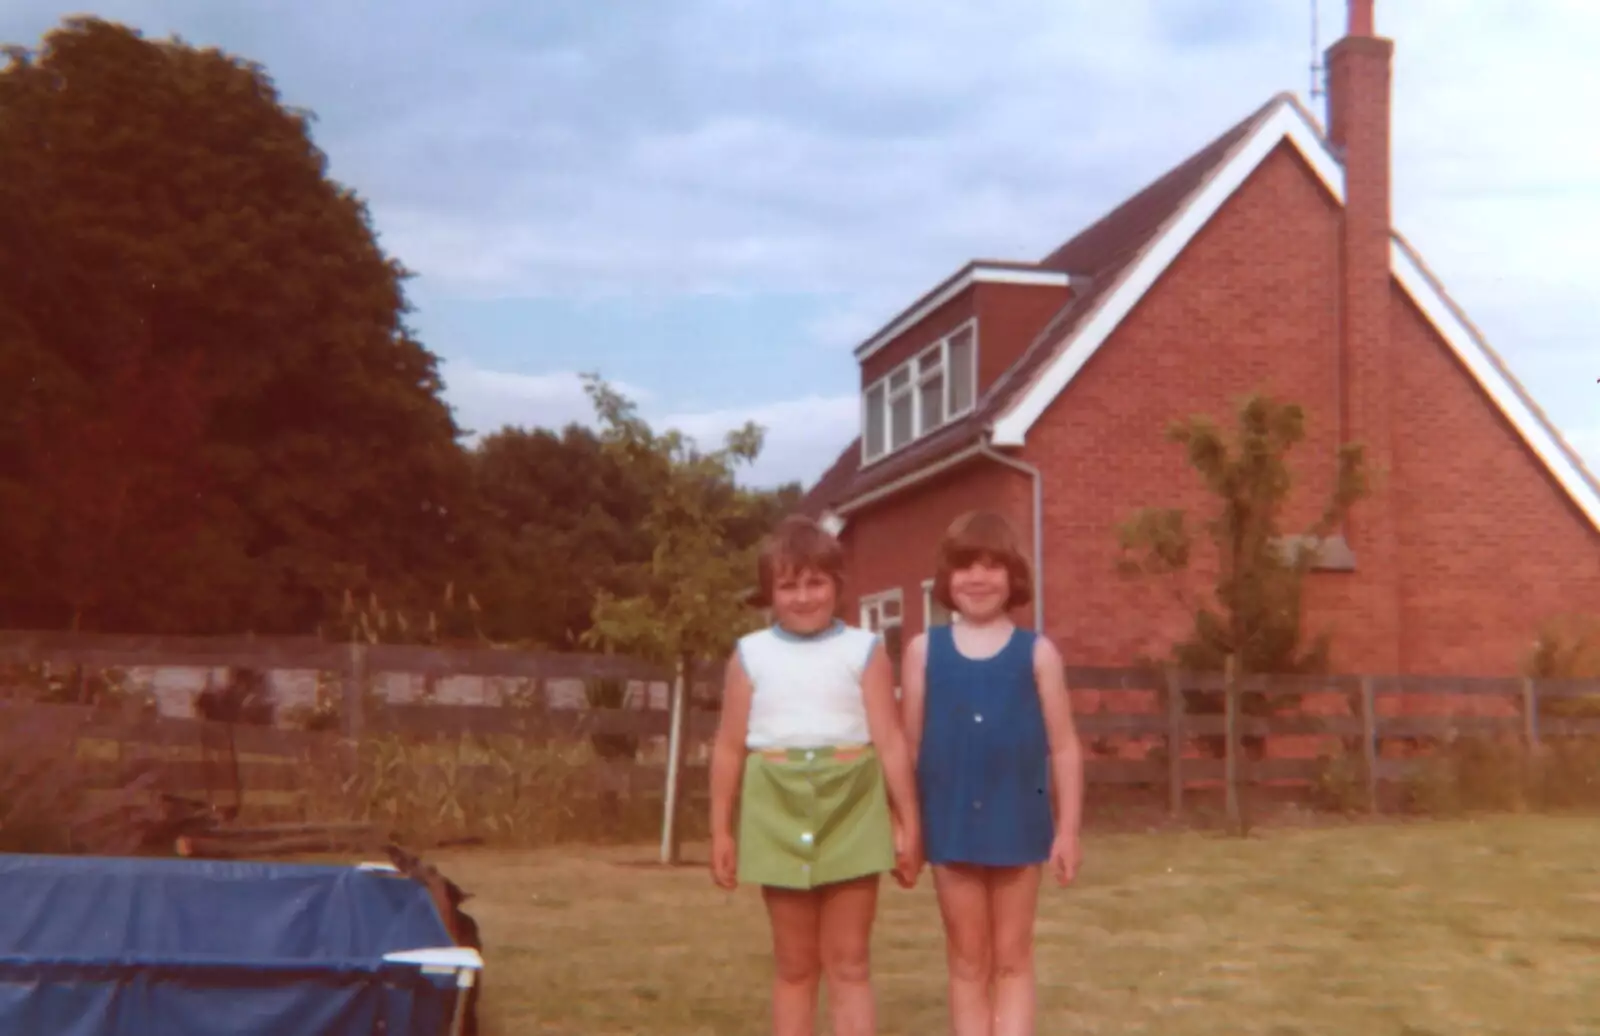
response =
{"points": [[968, 931], [1013, 901], [795, 915], [848, 909]]}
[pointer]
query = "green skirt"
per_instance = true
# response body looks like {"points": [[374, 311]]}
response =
{"points": [[813, 816]]}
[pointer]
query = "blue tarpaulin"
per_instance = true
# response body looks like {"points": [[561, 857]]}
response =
{"points": [[144, 947]]}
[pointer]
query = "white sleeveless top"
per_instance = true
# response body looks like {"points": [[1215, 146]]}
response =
{"points": [[806, 691]]}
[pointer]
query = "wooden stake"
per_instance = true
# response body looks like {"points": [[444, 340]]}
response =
{"points": [[1369, 742], [1230, 692], [669, 808], [1174, 744]]}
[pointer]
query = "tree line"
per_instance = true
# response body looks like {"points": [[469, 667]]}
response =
{"points": [[215, 417]]}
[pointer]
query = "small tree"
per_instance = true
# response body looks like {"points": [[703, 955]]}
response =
{"points": [[690, 604], [1253, 611]]}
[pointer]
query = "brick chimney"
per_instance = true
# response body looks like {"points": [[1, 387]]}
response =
{"points": [[1358, 127]]}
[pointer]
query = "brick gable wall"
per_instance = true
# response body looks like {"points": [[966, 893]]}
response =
{"points": [[1490, 544], [1250, 304], [1487, 543]]}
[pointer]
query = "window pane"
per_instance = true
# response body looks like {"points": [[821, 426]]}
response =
{"points": [[962, 373], [932, 402], [890, 608], [900, 422], [930, 360], [874, 421], [900, 378]]}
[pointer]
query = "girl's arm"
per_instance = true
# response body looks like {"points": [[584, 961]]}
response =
{"points": [[1066, 754], [883, 725], [913, 694], [728, 751]]}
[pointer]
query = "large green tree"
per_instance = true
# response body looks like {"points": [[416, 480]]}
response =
{"points": [[561, 519], [168, 229], [567, 515]]}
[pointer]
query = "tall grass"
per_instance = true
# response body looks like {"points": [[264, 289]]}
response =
{"points": [[1477, 775], [502, 791], [1502, 775]]}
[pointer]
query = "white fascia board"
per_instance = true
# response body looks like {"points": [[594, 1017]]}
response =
{"points": [[1497, 383], [1287, 122], [978, 274]]}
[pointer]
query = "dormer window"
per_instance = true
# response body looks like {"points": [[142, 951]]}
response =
{"points": [[932, 388]]}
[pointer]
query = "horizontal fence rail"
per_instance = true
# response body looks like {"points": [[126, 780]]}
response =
{"points": [[1142, 728]]}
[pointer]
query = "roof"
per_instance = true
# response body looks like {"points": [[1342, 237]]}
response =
{"points": [[1115, 261], [1096, 255]]}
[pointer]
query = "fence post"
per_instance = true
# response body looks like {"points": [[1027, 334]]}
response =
{"points": [[1533, 772], [355, 683], [1369, 742], [1174, 744], [669, 800], [1530, 714], [1230, 750]]}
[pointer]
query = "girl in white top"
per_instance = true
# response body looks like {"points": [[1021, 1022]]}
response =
{"points": [[810, 746]]}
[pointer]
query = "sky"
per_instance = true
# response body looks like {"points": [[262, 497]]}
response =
{"points": [[711, 202]]}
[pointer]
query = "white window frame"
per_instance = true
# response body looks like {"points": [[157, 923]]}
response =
{"points": [[927, 607], [874, 621], [913, 386], [872, 618]]}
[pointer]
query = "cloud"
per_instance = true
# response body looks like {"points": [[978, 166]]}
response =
{"points": [[860, 152], [487, 400], [797, 431]]}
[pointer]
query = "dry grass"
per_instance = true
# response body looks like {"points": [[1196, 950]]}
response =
{"points": [[1447, 928], [502, 791]]}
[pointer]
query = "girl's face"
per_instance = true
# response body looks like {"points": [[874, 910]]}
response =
{"points": [[981, 589], [803, 600]]}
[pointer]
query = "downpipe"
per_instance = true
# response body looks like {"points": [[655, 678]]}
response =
{"points": [[985, 449]]}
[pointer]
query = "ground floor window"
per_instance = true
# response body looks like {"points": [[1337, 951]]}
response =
{"points": [[934, 613], [884, 613]]}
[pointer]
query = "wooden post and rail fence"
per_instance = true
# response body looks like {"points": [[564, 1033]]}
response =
{"points": [[1138, 725]]}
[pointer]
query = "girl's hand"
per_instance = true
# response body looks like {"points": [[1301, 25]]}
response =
{"points": [[725, 861], [907, 854], [1065, 856]]}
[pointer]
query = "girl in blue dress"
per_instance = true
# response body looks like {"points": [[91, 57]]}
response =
{"points": [[999, 772]]}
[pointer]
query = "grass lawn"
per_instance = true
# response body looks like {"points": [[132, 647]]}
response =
{"points": [[1441, 928]]}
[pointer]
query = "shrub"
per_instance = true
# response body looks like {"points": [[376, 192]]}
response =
{"points": [[1340, 786], [1498, 775]]}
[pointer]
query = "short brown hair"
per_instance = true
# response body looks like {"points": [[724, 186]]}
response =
{"points": [[798, 543], [979, 535]]}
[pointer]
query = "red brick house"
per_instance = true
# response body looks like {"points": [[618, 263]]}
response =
{"points": [[1267, 261]]}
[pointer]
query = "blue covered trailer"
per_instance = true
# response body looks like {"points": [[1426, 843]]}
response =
{"points": [[95, 946]]}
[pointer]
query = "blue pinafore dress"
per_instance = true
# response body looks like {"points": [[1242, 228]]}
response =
{"points": [[983, 769]]}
